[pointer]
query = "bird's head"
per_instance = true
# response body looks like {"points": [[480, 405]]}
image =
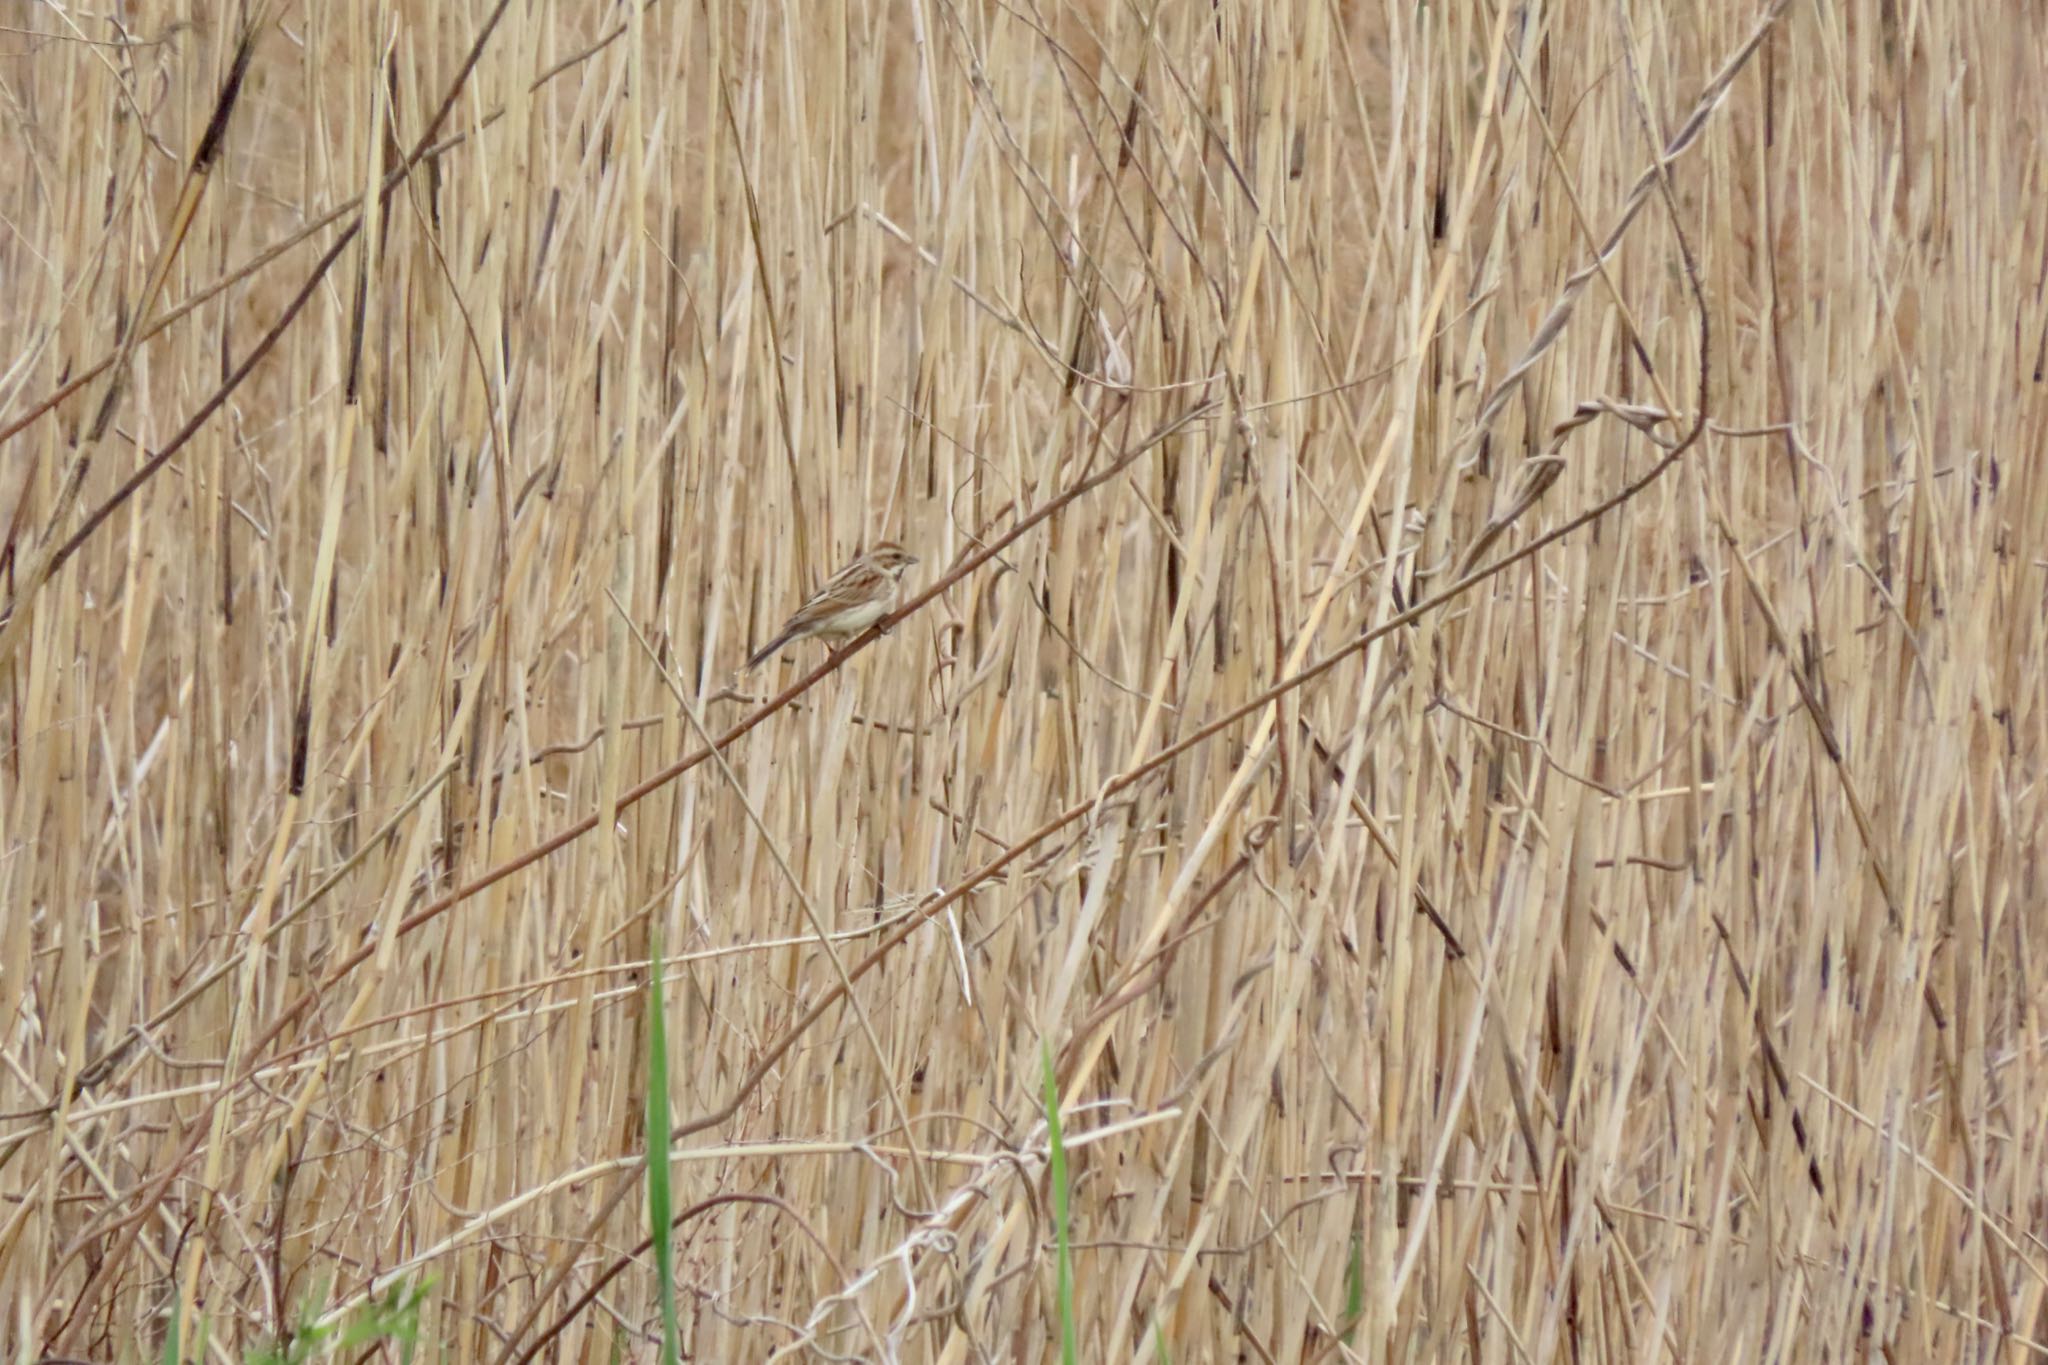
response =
{"points": [[891, 558]]}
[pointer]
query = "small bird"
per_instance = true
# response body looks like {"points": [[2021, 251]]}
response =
{"points": [[853, 599]]}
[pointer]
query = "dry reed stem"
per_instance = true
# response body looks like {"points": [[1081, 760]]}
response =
{"points": [[1508, 868]]}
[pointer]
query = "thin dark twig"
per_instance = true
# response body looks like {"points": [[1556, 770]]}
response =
{"points": [[618, 1266], [830, 998], [675, 770], [159, 459], [320, 223]]}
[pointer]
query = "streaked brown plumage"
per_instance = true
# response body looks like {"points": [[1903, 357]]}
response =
{"points": [[853, 599]]}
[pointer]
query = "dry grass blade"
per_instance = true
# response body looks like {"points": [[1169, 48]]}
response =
{"points": [[1470, 693]]}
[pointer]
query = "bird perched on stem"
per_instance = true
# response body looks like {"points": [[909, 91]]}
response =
{"points": [[853, 599]]}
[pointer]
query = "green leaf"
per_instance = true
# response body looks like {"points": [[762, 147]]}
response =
{"points": [[658, 1201], [171, 1356], [1354, 1286], [1057, 1175]]}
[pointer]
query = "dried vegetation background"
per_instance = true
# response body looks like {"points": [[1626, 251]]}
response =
{"points": [[1633, 953]]}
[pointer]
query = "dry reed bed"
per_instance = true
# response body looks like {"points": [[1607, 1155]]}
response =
{"points": [[1631, 955]]}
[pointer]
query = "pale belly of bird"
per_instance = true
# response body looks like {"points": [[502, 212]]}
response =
{"points": [[847, 624]]}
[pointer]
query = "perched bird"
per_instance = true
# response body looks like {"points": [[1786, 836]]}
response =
{"points": [[853, 599]]}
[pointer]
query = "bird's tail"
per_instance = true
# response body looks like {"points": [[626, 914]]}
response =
{"points": [[768, 650]]}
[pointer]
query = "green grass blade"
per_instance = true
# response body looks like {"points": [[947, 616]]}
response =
{"points": [[170, 1356], [658, 1201], [1058, 1177], [1354, 1286]]}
